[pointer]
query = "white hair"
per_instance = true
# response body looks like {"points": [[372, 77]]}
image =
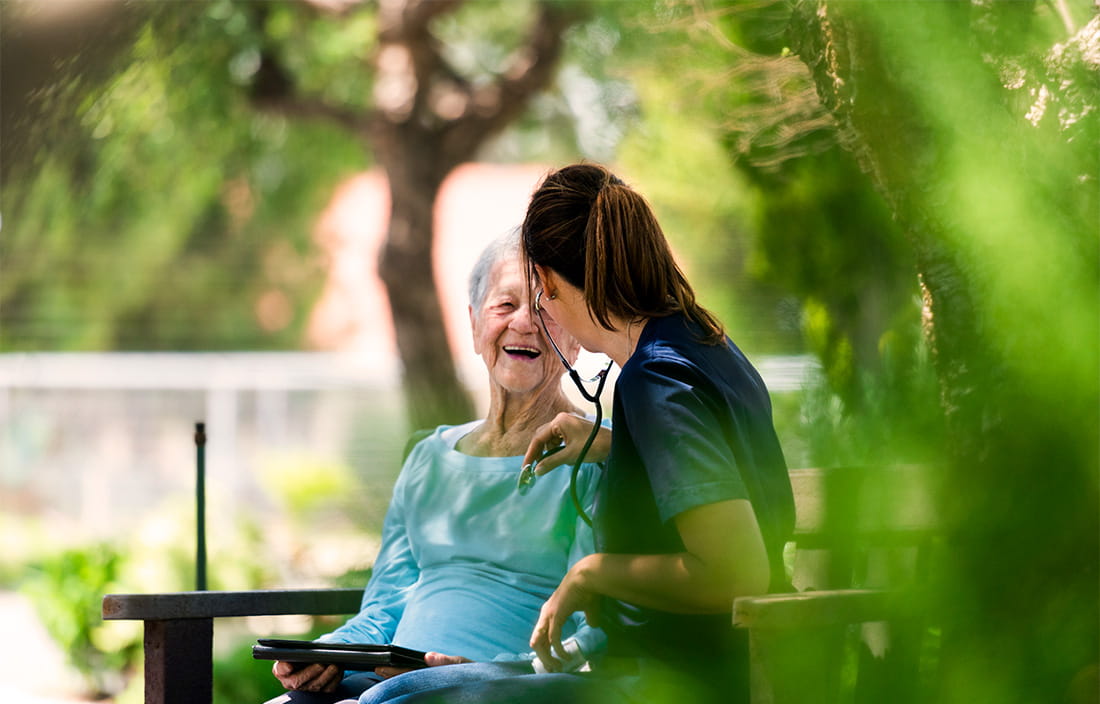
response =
{"points": [[501, 247]]}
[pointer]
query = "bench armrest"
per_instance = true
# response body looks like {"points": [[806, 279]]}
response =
{"points": [[797, 641], [179, 630], [266, 602]]}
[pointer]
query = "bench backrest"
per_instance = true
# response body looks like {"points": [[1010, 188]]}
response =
{"points": [[861, 526]]}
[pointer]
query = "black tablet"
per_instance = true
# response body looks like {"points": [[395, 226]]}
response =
{"points": [[361, 656]]}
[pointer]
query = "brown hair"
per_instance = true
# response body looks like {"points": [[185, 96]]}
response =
{"points": [[602, 237]]}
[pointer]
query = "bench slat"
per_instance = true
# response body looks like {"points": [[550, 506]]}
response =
{"points": [[893, 500], [816, 609]]}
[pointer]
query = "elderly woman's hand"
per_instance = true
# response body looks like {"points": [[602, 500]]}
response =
{"points": [[433, 659], [307, 678], [571, 431]]}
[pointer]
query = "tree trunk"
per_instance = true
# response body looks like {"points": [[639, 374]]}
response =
{"points": [[1018, 497], [418, 146], [433, 393]]}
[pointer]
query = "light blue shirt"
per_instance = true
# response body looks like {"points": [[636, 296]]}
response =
{"points": [[466, 562]]}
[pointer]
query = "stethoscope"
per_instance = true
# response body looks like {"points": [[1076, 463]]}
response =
{"points": [[527, 475]]}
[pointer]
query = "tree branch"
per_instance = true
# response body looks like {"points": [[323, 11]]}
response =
{"points": [[531, 70], [406, 20], [410, 64], [418, 14], [298, 107], [274, 90]]}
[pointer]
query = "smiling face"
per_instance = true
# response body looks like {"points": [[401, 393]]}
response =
{"points": [[508, 336]]}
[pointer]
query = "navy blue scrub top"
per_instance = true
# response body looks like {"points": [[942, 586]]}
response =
{"points": [[692, 425]]}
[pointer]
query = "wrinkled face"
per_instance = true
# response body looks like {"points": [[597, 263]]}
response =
{"points": [[509, 339]]}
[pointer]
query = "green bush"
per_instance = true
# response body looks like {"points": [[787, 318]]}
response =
{"points": [[67, 589], [239, 679]]}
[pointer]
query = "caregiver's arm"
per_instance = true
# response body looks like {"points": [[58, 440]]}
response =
{"points": [[724, 558]]}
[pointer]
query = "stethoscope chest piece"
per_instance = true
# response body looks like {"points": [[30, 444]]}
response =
{"points": [[526, 479]]}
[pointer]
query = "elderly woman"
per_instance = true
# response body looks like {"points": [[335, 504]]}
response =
{"points": [[466, 561]]}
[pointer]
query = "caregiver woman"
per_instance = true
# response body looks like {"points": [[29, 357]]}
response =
{"points": [[696, 503]]}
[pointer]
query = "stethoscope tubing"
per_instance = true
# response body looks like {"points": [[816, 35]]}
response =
{"points": [[527, 475]]}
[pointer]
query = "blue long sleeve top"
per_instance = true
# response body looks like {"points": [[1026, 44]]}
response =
{"points": [[466, 562]]}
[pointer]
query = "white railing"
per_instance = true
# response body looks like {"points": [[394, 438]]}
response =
{"points": [[94, 441]]}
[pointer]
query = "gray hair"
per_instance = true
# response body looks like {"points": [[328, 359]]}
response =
{"points": [[501, 247]]}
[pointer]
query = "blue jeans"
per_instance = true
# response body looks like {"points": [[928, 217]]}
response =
{"points": [[369, 688], [491, 683], [432, 679], [468, 683], [353, 684]]}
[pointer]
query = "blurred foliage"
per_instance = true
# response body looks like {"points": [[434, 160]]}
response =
{"points": [[709, 228], [924, 181], [317, 496], [789, 242], [238, 677], [330, 486], [173, 212], [896, 419], [668, 148], [1001, 212], [175, 217], [24, 539], [67, 589], [353, 578], [821, 230], [161, 552]]}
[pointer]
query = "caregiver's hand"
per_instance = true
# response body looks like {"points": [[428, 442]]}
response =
{"points": [[571, 431], [571, 596]]}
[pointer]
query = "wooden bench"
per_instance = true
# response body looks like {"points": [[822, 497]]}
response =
{"points": [[797, 640]]}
